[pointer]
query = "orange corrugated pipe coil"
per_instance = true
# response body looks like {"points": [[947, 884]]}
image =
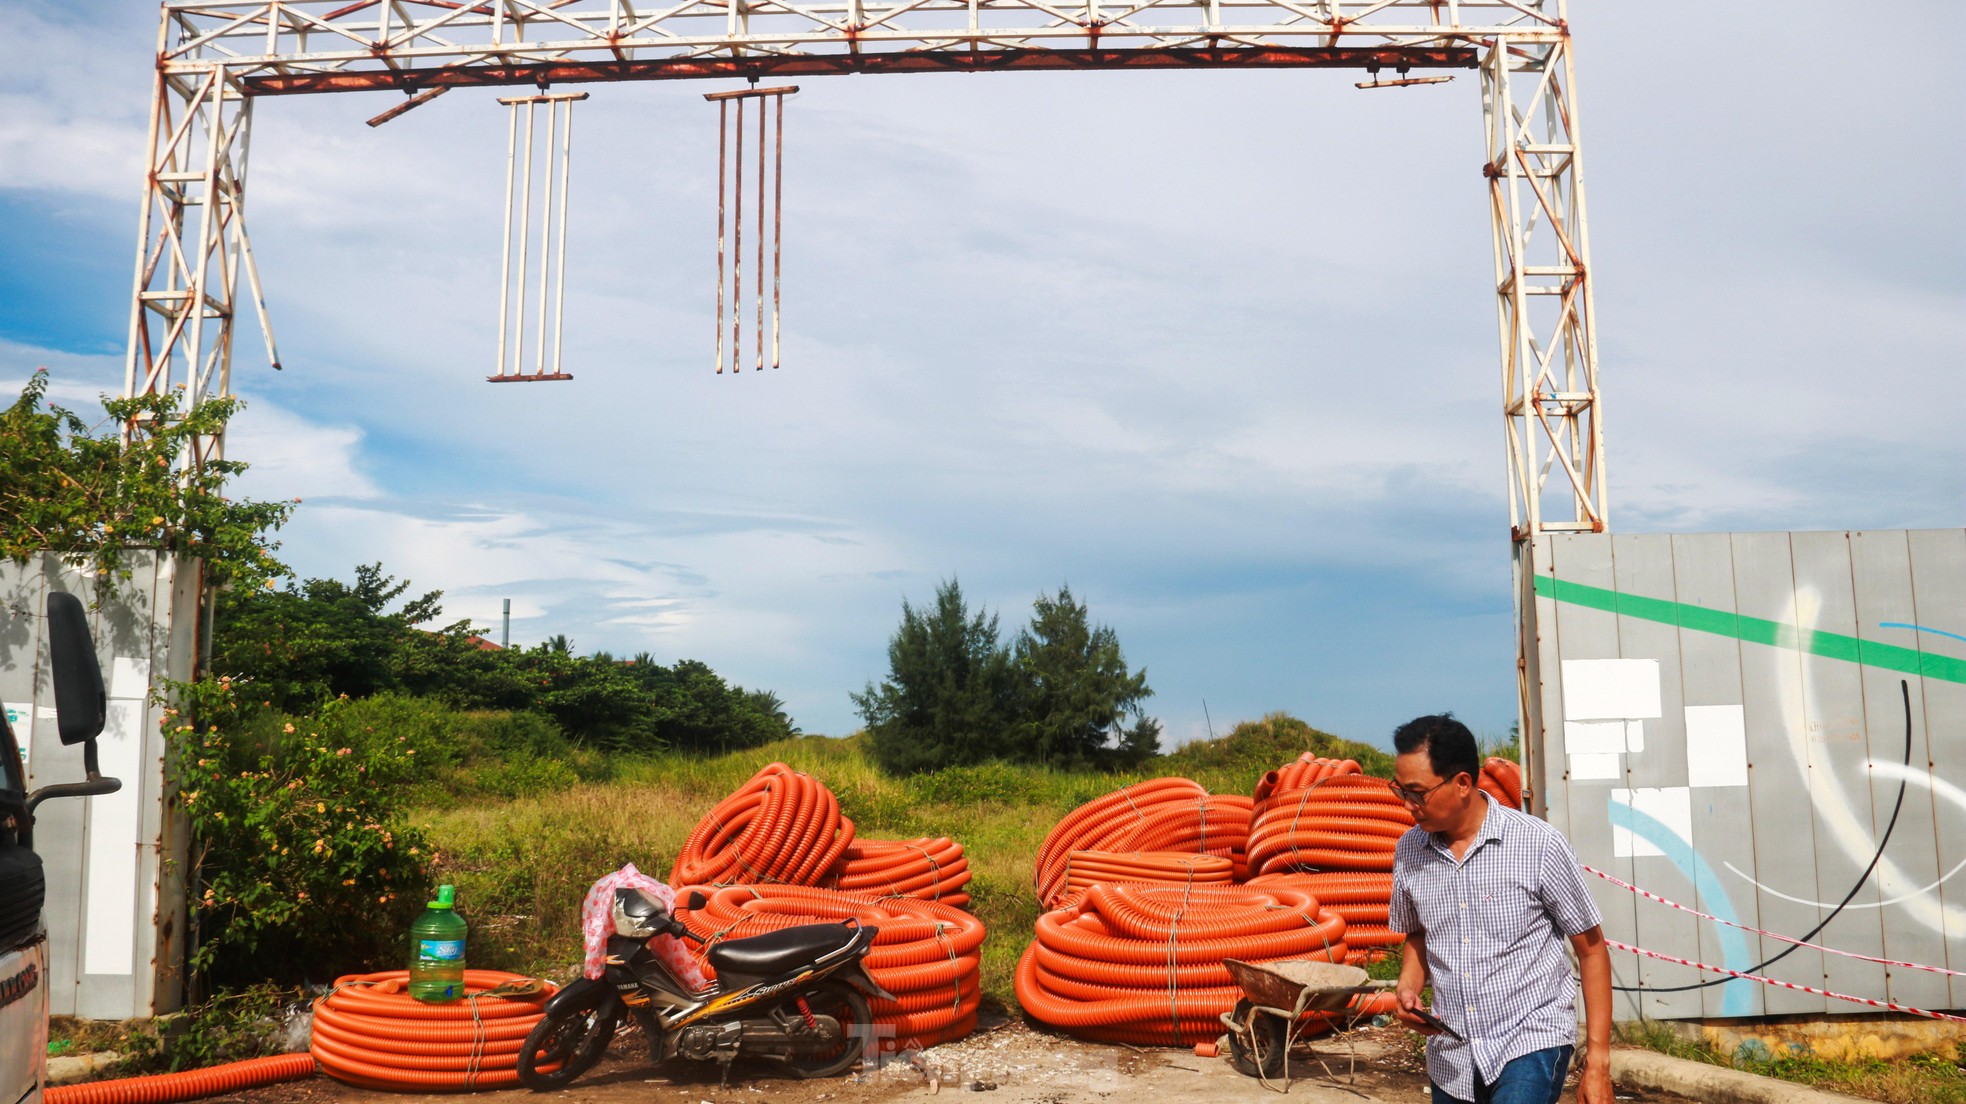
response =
{"points": [[931, 869], [1143, 963], [781, 826], [369, 1031], [1094, 826]]}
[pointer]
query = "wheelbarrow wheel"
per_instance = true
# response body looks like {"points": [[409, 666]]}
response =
{"points": [[1258, 1042]]}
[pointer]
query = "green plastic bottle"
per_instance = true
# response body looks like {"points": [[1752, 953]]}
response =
{"points": [[437, 950]]}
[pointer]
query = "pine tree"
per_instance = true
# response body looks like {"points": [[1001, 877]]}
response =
{"points": [[950, 694]]}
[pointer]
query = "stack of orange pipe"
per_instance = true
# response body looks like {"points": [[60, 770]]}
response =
{"points": [[1099, 823], [1212, 824], [781, 826], [1364, 900], [1143, 964], [1502, 780], [931, 869], [1307, 769], [927, 954], [1344, 822], [370, 1032], [1085, 869]]}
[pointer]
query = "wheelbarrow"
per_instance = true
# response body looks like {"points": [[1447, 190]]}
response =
{"points": [[1263, 1023]]}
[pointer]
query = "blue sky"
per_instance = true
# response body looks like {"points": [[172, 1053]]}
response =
{"points": [[1216, 349]]}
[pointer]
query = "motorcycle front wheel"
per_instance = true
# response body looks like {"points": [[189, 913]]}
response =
{"points": [[567, 1041], [835, 1056]]}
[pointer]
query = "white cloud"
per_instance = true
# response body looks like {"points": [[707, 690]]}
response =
{"points": [[73, 99], [302, 459], [1217, 348]]}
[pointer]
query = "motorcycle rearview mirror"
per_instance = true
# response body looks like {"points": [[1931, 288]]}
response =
{"points": [[81, 706], [695, 901]]}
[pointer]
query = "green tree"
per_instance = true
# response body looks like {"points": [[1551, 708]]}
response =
{"points": [[950, 694], [322, 639], [80, 491], [1076, 694]]}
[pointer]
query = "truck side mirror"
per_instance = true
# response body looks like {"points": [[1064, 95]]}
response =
{"points": [[81, 707]]}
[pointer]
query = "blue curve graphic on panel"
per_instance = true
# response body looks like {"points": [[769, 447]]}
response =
{"points": [[1918, 628], [1739, 997]]}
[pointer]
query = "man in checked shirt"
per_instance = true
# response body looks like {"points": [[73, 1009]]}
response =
{"points": [[1486, 896]]}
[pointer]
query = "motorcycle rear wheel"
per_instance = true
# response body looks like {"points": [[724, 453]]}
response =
{"points": [[567, 1041], [847, 1007]]}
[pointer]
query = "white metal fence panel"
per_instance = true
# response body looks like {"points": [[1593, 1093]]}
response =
{"points": [[115, 908], [1769, 728]]}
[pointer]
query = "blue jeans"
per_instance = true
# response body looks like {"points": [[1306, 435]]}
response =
{"points": [[1534, 1078]]}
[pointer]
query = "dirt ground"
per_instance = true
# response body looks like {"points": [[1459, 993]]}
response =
{"points": [[1003, 1062]]}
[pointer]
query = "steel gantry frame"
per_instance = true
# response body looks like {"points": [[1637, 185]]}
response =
{"points": [[217, 57]]}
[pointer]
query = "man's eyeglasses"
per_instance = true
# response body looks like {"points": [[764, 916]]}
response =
{"points": [[1415, 797]]}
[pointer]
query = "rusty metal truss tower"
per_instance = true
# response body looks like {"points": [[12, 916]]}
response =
{"points": [[216, 58]]}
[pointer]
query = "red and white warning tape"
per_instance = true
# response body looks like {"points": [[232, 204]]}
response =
{"points": [[1786, 984], [1772, 935]]}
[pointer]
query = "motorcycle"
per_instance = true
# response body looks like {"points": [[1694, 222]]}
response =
{"points": [[797, 996]]}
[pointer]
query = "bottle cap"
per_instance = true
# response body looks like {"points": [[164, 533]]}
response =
{"points": [[446, 897]]}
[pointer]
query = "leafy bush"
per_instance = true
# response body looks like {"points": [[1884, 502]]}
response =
{"points": [[66, 489], [302, 864]]}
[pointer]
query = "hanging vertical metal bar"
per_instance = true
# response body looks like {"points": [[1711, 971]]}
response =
{"points": [[737, 244], [759, 364], [723, 131], [777, 226], [542, 166], [732, 199]]}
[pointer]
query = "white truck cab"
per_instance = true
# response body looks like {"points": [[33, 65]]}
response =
{"points": [[80, 708]]}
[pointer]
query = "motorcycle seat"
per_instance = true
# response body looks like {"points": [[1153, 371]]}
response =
{"points": [[782, 951]]}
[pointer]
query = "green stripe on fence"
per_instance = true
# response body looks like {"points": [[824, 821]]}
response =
{"points": [[1755, 630]]}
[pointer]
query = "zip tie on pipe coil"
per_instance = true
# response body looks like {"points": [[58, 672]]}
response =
{"points": [[165, 1088], [368, 1031]]}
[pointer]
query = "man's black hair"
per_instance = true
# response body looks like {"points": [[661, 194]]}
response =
{"points": [[1450, 747]]}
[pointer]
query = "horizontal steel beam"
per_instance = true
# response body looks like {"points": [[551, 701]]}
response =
{"points": [[924, 61]]}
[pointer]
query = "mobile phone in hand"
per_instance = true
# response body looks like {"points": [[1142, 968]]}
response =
{"points": [[1436, 1023]]}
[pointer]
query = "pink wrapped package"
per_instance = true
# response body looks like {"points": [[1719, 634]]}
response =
{"points": [[597, 922]]}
